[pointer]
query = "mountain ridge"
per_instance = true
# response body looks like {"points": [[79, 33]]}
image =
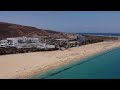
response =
{"points": [[15, 30]]}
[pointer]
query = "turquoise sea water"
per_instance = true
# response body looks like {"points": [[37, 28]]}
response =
{"points": [[101, 66]]}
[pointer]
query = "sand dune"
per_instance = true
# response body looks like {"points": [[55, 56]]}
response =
{"points": [[27, 64]]}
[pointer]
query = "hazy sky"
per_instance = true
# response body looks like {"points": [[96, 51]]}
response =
{"points": [[66, 21]]}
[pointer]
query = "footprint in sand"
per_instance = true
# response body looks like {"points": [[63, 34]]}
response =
{"points": [[16, 70]]}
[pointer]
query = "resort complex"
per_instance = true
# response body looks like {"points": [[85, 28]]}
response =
{"points": [[32, 44], [23, 42]]}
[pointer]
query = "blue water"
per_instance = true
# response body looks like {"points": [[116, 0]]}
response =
{"points": [[106, 34], [102, 66]]}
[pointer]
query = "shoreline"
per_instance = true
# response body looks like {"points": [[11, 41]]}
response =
{"points": [[69, 65], [22, 66]]}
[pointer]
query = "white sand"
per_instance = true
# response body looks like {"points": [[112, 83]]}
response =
{"points": [[26, 64]]}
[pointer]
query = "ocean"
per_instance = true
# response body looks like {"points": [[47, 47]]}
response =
{"points": [[105, 34], [101, 66]]}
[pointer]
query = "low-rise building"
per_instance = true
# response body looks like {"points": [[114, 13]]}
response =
{"points": [[25, 42]]}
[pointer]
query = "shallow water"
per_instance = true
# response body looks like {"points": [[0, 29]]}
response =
{"points": [[102, 66]]}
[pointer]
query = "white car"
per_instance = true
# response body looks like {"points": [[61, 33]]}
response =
{"points": [[3, 45]]}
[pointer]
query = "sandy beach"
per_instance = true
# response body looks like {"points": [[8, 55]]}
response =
{"points": [[23, 65]]}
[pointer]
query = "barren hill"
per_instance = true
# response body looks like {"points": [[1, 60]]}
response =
{"points": [[15, 30]]}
